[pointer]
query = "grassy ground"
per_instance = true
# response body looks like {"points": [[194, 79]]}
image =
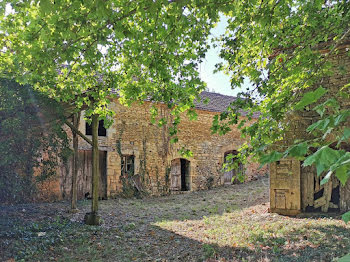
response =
{"points": [[224, 224]]}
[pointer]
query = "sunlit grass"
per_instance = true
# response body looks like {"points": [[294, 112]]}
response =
{"points": [[224, 224], [251, 229]]}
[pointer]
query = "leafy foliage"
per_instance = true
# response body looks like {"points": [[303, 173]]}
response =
{"points": [[289, 50], [310, 97], [84, 53], [80, 51], [346, 217], [27, 142]]}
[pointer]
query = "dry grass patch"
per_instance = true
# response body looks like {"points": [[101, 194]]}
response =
{"points": [[224, 224]]}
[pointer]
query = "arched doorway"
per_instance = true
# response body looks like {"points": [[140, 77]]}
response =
{"points": [[229, 174], [180, 175]]}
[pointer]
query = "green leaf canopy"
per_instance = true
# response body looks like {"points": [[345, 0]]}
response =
{"points": [[80, 50]]}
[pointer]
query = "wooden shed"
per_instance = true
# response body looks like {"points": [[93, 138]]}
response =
{"points": [[295, 189]]}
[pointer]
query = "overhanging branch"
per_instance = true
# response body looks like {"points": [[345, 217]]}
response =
{"points": [[74, 129]]}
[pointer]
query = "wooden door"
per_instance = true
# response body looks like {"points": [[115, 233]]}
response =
{"points": [[285, 187], [85, 175], [228, 176], [175, 175]]}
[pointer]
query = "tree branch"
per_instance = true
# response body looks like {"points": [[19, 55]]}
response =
{"points": [[74, 129]]}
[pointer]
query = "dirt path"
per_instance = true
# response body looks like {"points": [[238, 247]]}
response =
{"points": [[224, 224]]}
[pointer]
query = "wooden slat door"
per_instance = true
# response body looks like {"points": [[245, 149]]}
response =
{"points": [[228, 176], [285, 187], [85, 175], [175, 175]]}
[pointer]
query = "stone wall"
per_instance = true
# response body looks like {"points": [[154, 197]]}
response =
{"points": [[132, 133]]}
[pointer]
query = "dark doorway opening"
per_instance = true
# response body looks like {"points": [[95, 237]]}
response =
{"points": [[183, 175], [180, 179], [326, 197]]}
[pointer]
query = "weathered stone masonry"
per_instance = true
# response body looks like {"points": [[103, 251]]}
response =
{"points": [[157, 164]]}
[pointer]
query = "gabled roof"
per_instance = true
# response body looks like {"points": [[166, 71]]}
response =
{"points": [[216, 102]]}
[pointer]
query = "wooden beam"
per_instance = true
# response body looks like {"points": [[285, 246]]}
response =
{"points": [[74, 190], [328, 195], [74, 129], [320, 202], [332, 205]]}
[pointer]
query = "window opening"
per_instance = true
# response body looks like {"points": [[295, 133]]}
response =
{"points": [[128, 165], [101, 129]]}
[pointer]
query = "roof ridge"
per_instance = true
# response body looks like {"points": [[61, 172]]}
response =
{"points": [[214, 93]]}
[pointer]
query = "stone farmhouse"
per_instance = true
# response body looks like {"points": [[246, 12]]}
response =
{"points": [[136, 155]]}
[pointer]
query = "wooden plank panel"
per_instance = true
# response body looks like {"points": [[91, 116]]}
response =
{"points": [[285, 186], [307, 187], [304, 191], [280, 198], [320, 202], [317, 183], [84, 175], [175, 175], [311, 182], [327, 194], [228, 177], [295, 194]]}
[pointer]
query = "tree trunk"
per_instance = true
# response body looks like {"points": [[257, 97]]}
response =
{"points": [[92, 218], [95, 164], [76, 120], [78, 132]]}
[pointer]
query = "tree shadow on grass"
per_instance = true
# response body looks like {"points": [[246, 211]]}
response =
{"points": [[76, 242], [173, 228], [64, 240]]}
